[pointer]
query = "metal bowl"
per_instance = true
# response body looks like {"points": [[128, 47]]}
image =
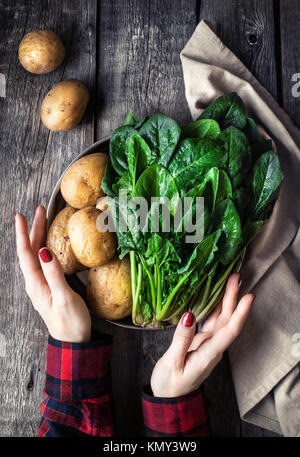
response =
{"points": [[56, 203]]}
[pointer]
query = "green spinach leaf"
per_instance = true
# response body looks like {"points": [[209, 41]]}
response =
{"points": [[228, 110], [162, 134]]}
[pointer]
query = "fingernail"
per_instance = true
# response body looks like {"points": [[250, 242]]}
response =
{"points": [[45, 255], [15, 215], [187, 319], [36, 208]]}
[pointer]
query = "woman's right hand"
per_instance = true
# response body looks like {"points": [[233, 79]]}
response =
{"points": [[191, 358]]}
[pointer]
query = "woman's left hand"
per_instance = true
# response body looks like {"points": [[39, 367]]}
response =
{"points": [[63, 310]]}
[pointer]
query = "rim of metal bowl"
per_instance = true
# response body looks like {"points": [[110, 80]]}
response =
{"points": [[56, 203]]}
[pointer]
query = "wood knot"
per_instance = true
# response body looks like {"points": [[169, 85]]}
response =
{"points": [[252, 39]]}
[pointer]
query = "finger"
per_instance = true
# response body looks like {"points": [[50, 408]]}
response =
{"points": [[38, 230], [229, 301], [223, 338], [53, 272], [182, 339], [29, 263], [198, 339], [209, 324]]}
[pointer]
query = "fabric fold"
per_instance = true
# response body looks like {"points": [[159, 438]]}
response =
{"points": [[263, 356]]}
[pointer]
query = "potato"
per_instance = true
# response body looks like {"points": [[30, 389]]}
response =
{"points": [[41, 51], [81, 184], [109, 290], [59, 242], [64, 105], [91, 247]]}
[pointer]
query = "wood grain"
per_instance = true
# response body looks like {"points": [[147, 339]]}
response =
{"points": [[289, 18], [32, 159], [247, 28]]}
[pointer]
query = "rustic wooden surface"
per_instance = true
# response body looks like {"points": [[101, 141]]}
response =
{"points": [[127, 52]]}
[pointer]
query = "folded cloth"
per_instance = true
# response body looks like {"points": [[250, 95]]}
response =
{"points": [[265, 358]]}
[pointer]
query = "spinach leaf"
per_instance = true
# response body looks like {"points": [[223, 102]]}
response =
{"points": [[224, 188], [161, 249], [203, 254], [202, 128], [131, 119], [118, 148], [139, 155], [215, 187], [239, 158], [108, 180], [228, 110], [242, 200], [265, 181], [123, 185], [251, 131], [189, 150], [188, 173], [226, 218], [162, 134], [156, 181]]}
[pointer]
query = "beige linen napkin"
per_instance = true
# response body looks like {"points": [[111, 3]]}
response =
{"points": [[265, 357]]}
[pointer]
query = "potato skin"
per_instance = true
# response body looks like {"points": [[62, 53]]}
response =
{"points": [[109, 290], [41, 51], [64, 105], [59, 242], [91, 247], [81, 184]]}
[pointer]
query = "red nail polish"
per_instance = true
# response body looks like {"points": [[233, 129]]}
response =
{"points": [[45, 255], [187, 319]]}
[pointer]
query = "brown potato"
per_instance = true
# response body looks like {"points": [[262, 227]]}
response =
{"points": [[59, 242], [91, 247], [81, 184], [109, 290], [41, 51], [64, 105]]}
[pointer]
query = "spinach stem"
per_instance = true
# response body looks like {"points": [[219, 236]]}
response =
{"points": [[165, 307], [158, 286], [152, 285], [203, 297]]}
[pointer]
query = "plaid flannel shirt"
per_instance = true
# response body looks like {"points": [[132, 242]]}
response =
{"points": [[78, 396]]}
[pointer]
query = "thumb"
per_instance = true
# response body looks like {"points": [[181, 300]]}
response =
{"points": [[183, 338], [53, 271]]}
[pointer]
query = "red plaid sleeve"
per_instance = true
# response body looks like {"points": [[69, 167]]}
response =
{"points": [[77, 388], [182, 416]]}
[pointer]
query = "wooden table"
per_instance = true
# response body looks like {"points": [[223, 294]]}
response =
{"points": [[127, 53]]}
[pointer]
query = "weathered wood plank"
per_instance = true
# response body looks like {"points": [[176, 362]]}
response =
{"points": [[247, 28], [139, 68], [32, 159], [290, 37]]}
